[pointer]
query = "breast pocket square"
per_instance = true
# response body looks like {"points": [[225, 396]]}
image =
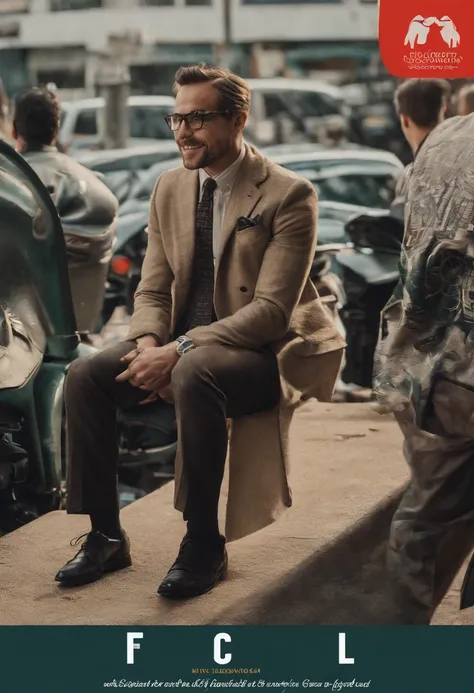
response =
{"points": [[246, 222]]}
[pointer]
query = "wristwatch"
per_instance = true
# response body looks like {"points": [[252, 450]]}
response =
{"points": [[184, 344]]}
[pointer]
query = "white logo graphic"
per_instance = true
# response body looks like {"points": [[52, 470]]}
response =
{"points": [[449, 33], [420, 28]]}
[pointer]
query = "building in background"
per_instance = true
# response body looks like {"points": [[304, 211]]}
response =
{"points": [[62, 41]]}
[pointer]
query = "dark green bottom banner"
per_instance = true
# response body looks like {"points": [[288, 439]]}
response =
{"points": [[88, 659]]}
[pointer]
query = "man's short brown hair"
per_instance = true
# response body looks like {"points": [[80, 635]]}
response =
{"points": [[234, 92], [466, 93], [37, 115], [422, 100]]}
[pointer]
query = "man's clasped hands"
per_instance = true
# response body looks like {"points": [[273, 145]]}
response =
{"points": [[150, 367]]}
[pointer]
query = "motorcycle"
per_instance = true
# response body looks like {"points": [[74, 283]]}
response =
{"points": [[370, 274], [38, 341]]}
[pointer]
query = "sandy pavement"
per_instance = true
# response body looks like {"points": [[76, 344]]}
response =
{"points": [[321, 563]]}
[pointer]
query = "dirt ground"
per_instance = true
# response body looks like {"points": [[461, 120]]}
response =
{"points": [[321, 563]]}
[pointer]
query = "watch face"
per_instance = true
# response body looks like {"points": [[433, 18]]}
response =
{"points": [[184, 346], [181, 348]]}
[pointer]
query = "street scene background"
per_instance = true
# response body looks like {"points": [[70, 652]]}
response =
{"points": [[80, 46], [322, 106]]}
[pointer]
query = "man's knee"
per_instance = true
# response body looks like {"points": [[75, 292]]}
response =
{"points": [[79, 372], [100, 368], [191, 372]]}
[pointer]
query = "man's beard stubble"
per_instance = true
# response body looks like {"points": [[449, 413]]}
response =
{"points": [[206, 158]]}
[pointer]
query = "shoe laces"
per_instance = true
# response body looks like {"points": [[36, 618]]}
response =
{"points": [[89, 536], [75, 542]]}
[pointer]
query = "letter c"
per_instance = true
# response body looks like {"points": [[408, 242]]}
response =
{"points": [[218, 658]]}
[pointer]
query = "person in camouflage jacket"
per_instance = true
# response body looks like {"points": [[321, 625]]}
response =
{"points": [[424, 372]]}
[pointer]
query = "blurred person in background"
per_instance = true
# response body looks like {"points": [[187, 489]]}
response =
{"points": [[465, 101], [86, 207], [226, 326], [336, 133], [425, 373], [421, 105]]}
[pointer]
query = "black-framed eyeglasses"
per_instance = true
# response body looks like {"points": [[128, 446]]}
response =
{"points": [[194, 120]]}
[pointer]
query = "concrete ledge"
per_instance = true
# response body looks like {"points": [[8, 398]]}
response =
{"points": [[322, 563]]}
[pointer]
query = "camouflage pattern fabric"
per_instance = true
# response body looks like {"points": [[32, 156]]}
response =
{"points": [[424, 371], [435, 331]]}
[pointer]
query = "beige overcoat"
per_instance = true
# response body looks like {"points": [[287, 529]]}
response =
{"points": [[262, 295]]}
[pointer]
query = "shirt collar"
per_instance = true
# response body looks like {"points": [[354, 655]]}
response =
{"points": [[39, 148], [224, 180], [420, 146]]}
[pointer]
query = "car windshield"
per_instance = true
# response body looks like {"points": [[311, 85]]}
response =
{"points": [[148, 122], [368, 189], [310, 104]]}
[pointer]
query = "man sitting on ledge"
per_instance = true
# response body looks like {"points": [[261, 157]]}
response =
{"points": [[227, 325]]}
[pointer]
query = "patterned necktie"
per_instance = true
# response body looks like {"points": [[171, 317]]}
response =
{"points": [[202, 287]]}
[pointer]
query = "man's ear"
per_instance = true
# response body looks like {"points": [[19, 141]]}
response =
{"points": [[241, 120], [405, 121]]}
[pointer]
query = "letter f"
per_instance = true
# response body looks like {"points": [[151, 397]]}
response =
{"points": [[132, 645]]}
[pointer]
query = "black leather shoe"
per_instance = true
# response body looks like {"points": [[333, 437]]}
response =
{"points": [[98, 555], [198, 568]]}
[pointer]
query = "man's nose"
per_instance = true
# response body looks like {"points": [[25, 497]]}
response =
{"points": [[184, 130]]}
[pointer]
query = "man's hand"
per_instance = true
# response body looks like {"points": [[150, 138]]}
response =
{"points": [[166, 394], [146, 342], [151, 369]]}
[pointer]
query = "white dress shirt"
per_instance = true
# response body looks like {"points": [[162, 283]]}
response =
{"points": [[225, 182]]}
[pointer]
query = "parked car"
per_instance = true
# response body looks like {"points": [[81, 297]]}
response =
{"points": [[120, 169], [320, 157], [295, 110], [361, 176], [366, 185], [82, 125], [145, 181], [139, 157], [274, 150]]}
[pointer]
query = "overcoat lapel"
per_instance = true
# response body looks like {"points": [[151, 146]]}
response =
{"points": [[243, 198]]}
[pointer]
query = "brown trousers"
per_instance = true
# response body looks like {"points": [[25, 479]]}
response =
{"points": [[210, 384]]}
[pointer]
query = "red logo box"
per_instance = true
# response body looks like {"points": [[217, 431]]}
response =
{"points": [[427, 38]]}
